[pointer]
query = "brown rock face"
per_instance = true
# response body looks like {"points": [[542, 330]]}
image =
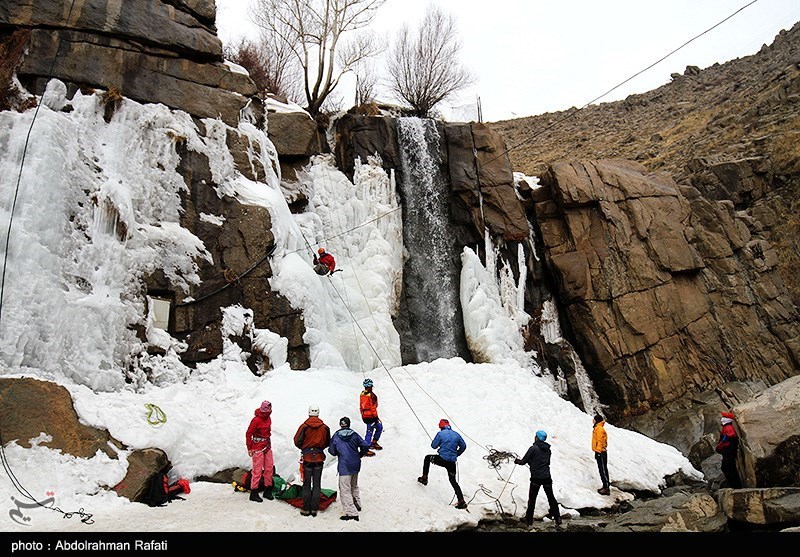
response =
{"points": [[665, 291], [482, 181], [239, 244], [729, 130], [29, 407], [150, 51]]}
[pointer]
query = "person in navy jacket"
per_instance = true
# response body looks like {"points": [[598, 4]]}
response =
{"points": [[537, 458], [450, 445], [349, 446]]}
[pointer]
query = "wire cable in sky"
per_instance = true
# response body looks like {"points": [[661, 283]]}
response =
{"points": [[574, 112]]}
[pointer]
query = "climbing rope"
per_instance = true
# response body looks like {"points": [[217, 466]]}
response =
{"points": [[155, 415], [230, 278], [86, 518]]}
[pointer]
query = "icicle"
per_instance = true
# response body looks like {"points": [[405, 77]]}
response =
{"points": [[551, 330], [523, 273]]}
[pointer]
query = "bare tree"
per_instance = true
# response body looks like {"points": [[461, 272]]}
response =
{"points": [[271, 66], [366, 83], [423, 67], [313, 30]]}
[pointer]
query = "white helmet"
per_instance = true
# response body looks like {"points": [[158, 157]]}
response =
{"points": [[313, 410]]}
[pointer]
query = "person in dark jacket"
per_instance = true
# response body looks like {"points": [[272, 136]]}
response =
{"points": [[324, 262], [450, 445], [312, 438], [538, 458], [259, 447], [349, 446], [728, 447]]}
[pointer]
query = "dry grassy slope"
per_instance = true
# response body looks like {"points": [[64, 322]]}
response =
{"points": [[748, 107]]}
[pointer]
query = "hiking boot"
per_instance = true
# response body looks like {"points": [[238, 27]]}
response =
{"points": [[461, 504], [526, 521], [313, 513], [305, 513], [254, 496], [348, 517], [423, 480], [369, 453], [268, 493], [604, 491], [375, 446]]}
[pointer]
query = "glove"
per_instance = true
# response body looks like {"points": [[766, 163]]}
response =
{"points": [[517, 461]]}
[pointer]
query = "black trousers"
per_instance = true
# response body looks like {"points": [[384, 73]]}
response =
{"points": [[533, 492], [447, 465], [602, 467], [731, 473], [312, 490]]}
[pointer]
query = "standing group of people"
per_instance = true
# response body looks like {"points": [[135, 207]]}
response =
{"points": [[312, 438]]}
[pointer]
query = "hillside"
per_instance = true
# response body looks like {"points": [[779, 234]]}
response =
{"points": [[730, 130]]}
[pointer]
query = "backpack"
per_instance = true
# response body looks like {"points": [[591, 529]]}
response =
{"points": [[159, 491]]}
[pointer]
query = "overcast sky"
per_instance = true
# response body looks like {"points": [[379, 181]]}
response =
{"points": [[536, 56]]}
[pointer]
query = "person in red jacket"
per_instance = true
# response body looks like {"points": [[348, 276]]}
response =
{"points": [[259, 447], [312, 437], [324, 262], [728, 447]]}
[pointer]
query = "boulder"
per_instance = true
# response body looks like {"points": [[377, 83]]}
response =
{"points": [[294, 134], [31, 407], [143, 464], [682, 511], [778, 506], [769, 426]]}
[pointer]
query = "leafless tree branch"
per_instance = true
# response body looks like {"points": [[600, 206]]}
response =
{"points": [[423, 66], [318, 34]]}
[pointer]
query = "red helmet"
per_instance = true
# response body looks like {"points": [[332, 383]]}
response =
{"points": [[443, 423], [321, 250]]}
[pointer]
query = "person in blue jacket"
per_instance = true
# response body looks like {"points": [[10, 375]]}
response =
{"points": [[538, 458], [450, 445], [349, 446]]}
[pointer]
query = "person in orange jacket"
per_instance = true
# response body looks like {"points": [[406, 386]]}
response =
{"points": [[259, 447], [312, 438], [324, 262], [600, 448], [368, 405]]}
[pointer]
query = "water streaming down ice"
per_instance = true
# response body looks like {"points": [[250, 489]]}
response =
{"points": [[551, 331], [431, 271]]}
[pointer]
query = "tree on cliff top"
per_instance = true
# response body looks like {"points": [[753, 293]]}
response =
{"points": [[314, 31], [270, 65], [423, 66]]}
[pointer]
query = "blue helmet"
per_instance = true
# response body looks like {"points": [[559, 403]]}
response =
{"points": [[367, 383], [541, 435]]}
